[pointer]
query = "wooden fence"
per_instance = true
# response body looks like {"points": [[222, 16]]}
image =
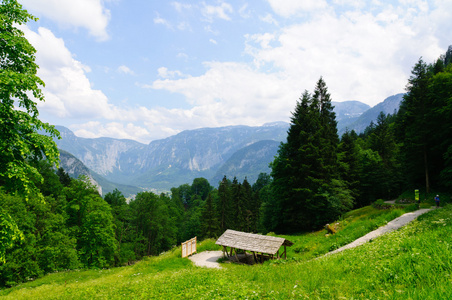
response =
{"points": [[189, 247]]}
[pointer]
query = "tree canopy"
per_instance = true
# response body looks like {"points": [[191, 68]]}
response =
{"points": [[20, 140]]}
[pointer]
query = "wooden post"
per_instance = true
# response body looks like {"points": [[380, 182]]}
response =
{"points": [[236, 257]]}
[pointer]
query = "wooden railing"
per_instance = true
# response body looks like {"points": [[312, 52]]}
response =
{"points": [[189, 247]]}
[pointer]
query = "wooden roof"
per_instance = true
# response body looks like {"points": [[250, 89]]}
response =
{"points": [[252, 242]]}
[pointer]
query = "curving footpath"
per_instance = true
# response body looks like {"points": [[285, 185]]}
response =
{"points": [[209, 258], [391, 226]]}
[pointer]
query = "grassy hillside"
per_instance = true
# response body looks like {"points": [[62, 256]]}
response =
{"points": [[414, 262]]}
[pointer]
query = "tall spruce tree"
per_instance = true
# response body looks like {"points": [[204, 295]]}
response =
{"points": [[306, 185], [209, 223], [413, 125], [224, 205]]}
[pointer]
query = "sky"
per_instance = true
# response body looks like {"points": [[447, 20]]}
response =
{"points": [[148, 69]]}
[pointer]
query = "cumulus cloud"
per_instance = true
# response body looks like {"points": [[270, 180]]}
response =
{"points": [[234, 93], [68, 90], [88, 14], [365, 56]]}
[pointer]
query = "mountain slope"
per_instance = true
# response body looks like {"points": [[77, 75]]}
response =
{"points": [[168, 162], [75, 168], [348, 112], [248, 162], [389, 106]]}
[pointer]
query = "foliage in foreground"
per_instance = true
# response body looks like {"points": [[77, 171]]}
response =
{"points": [[414, 262]]}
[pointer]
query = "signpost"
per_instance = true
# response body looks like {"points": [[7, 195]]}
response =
{"points": [[416, 198]]}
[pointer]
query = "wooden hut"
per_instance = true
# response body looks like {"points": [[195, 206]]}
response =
{"points": [[261, 246]]}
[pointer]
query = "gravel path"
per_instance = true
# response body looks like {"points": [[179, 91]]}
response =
{"points": [[391, 226], [207, 259]]}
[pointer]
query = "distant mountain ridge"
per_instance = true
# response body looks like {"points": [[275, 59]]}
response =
{"points": [[241, 151], [168, 162], [389, 106]]}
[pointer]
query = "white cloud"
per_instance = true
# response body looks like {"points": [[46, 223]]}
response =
{"points": [[88, 14], [125, 70], [213, 41], [95, 129], [268, 18], [165, 73], [181, 7], [160, 20], [233, 93], [288, 8], [68, 90], [361, 56], [220, 11]]}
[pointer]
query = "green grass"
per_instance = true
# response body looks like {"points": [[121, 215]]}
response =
{"points": [[414, 262], [350, 227]]}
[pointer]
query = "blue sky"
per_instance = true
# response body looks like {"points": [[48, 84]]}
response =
{"points": [[148, 69]]}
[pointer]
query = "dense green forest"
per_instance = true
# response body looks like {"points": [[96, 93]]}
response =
{"points": [[50, 222]]}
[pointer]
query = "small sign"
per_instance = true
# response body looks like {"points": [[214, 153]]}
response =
{"points": [[416, 195]]}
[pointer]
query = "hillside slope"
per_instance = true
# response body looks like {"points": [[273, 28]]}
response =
{"points": [[414, 262]]}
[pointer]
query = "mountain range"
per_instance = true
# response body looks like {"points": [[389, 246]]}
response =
{"points": [[241, 151]]}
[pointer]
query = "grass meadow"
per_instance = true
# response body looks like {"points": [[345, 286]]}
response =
{"points": [[414, 262]]}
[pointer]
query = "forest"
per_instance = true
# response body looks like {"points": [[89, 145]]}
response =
{"points": [[50, 222]]}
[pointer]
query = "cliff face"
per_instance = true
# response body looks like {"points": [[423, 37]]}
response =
{"points": [[75, 168]]}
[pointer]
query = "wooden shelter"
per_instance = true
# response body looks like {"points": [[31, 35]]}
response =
{"points": [[261, 246]]}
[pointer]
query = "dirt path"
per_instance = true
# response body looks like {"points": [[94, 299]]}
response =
{"points": [[207, 259], [391, 226]]}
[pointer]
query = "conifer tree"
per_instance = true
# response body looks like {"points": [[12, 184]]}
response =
{"points": [[413, 125], [248, 210], [349, 161], [224, 205], [209, 223], [306, 184]]}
